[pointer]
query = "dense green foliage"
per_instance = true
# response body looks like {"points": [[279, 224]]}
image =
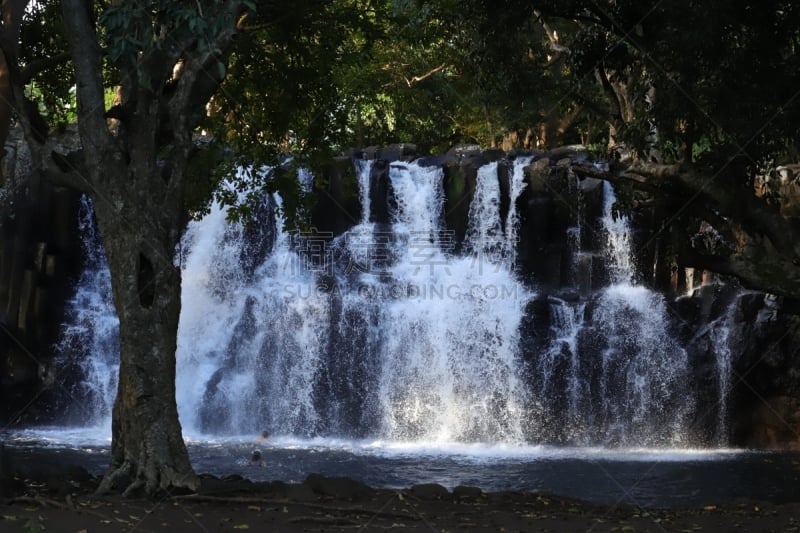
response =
{"points": [[711, 84], [350, 73]]}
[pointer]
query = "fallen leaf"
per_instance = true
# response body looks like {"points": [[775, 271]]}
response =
{"points": [[241, 526]]}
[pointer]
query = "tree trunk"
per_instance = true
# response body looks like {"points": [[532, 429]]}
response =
{"points": [[148, 453], [136, 173]]}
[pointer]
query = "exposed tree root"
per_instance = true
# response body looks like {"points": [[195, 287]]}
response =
{"points": [[112, 477], [133, 488], [149, 480]]}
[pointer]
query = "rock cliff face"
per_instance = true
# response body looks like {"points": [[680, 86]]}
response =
{"points": [[559, 252], [39, 256]]}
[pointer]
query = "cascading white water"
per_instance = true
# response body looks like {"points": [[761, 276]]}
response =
{"points": [[720, 333], [566, 324], [364, 171], [512, 218], [485, 236], [450, 369], [423, 348], [90, 337], [385, 332], [644, 370], [489, 238], [618, 235], [248, 346]]}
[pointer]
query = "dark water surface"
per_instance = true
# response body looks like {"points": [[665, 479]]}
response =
{"points": [[647, 478]]}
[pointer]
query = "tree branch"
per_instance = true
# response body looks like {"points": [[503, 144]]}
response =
{"points": [[609, 89], [431, 72], [766, 256], [199, 78], [552, 36], [737, 204], [86, 57], [35, 67]]}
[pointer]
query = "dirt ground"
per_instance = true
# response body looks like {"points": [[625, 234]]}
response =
{"points": [[340, 504]]}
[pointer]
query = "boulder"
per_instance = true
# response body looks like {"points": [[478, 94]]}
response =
{"points": [[429, 491], [337, 487]]}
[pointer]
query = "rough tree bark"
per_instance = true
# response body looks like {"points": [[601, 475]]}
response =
{"points": [[136, 175], [761, 247], [147, 446]]}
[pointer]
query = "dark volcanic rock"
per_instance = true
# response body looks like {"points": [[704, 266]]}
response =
{"points": [[430, 491], [338, 487], [463, 492]]}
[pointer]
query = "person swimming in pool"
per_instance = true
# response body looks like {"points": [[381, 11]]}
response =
{"points": [[255, 458]]}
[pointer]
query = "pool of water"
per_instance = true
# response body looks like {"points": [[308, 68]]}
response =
{"points": [[642, 477]]}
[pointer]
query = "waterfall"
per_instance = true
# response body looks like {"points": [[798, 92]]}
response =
{"points": [[89, 338], [247, 342], [643, 397], [489, 237], [485, 237], [385, 332], [720, 332], [364, 170], [364, 348], [449, 368], [512, 218], [609, 370], [618, 235], [643, 369]]}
